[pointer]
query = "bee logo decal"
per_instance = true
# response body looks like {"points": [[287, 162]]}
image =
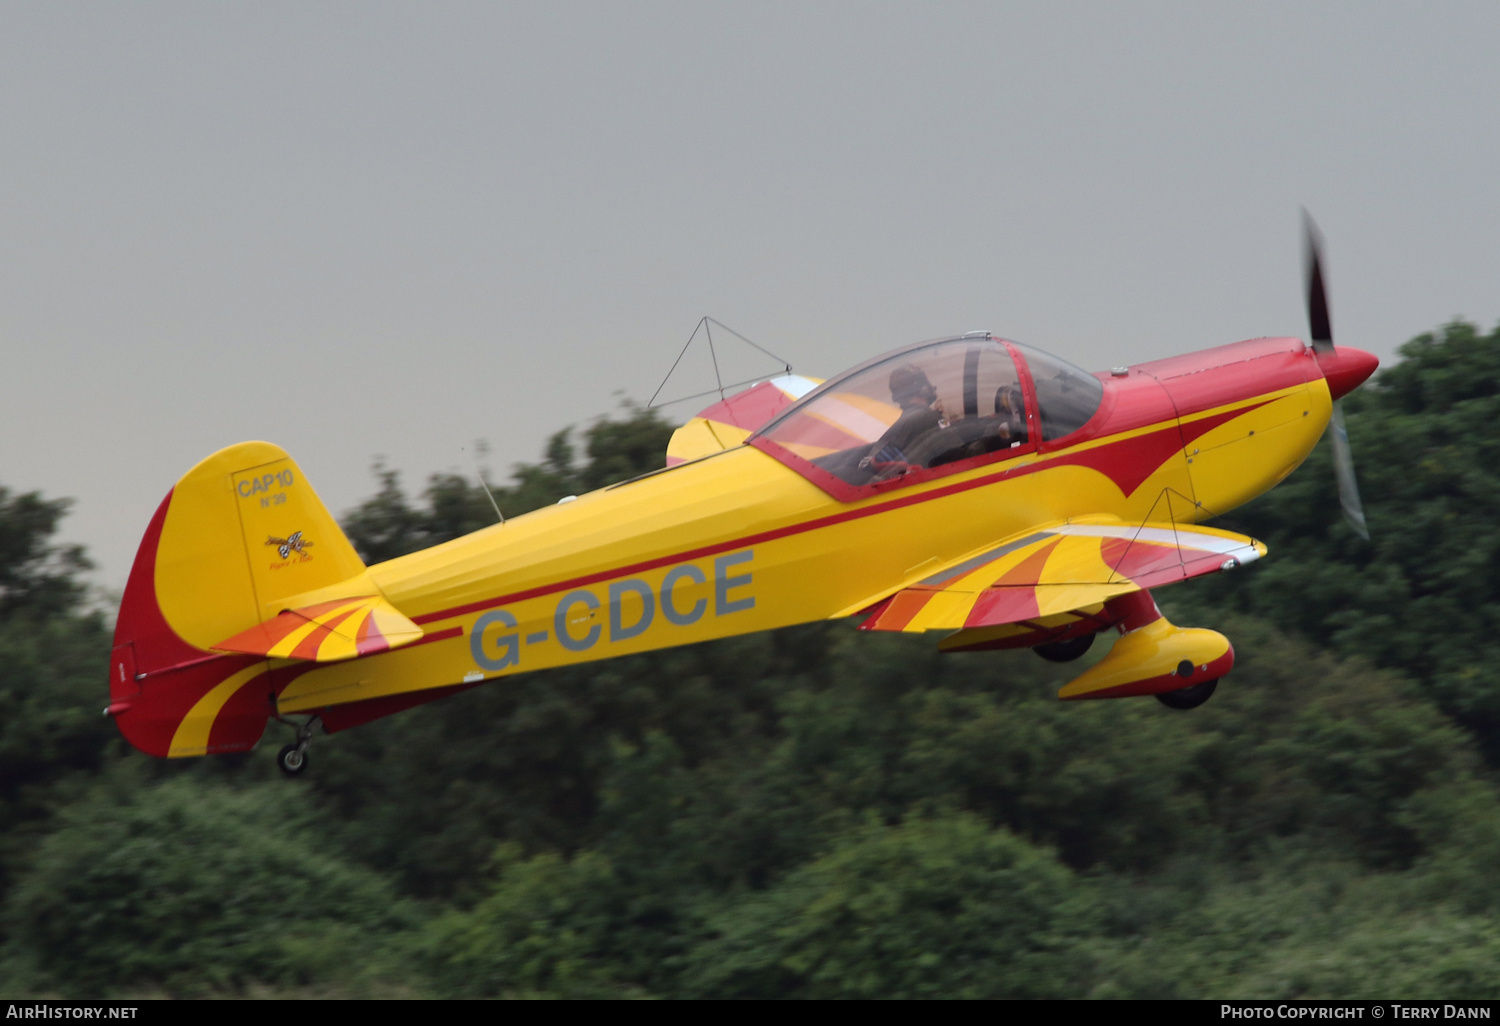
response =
{"points": [[286, 546]]}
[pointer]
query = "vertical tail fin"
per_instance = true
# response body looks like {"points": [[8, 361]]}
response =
{"points": [[240, 533]]}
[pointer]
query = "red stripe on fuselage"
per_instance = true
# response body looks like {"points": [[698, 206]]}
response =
{"points": [[1130, 462], [1099, 458]]}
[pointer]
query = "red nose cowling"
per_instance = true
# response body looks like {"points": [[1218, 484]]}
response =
{"points": [[1346, 368]]}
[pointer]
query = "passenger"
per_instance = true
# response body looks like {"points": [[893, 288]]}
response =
{"points": [[921, 414], [1010, 412]]}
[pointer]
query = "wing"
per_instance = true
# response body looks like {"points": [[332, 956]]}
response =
{"points": [[328, 632], [1056, 570]]}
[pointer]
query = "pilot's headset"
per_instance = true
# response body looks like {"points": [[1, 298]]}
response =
{"points": [[1008, 400], [909, 382]]}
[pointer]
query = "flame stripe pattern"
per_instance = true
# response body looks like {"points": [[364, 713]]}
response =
{"points": [[328, 631], [1058, 569]]}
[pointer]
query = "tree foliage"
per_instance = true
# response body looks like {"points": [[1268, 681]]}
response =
{"points": [[931, 907], [387, 525], [53, 654], [192, 888], [38, 578]]}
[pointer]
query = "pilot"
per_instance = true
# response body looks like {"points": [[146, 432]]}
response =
{"points": [[921, 414], [1010, 412]]}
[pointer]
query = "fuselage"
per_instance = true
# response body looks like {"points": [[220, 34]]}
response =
{"points": [[749, 538]]}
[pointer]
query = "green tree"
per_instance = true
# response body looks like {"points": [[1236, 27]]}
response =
{"points": [[929, 908], [942, 907], [388, 525], [38, 578], [193, 888], [548, 927], [53, 658]]}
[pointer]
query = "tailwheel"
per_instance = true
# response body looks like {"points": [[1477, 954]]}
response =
{"points": [[1065, 651], [1188, 698], [292, 759]]}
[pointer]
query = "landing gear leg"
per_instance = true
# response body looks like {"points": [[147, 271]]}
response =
{"points": [[293, 758]]}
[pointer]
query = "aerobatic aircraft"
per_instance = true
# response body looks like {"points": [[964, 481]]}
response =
{"points": [[970, 486]]}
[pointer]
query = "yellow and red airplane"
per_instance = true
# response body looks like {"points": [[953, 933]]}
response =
{"points": [[966, 485]]}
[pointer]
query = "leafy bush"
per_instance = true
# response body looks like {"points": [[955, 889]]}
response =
{"points": [[942, 907], [191, 888]]}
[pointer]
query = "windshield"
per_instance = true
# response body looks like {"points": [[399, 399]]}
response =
{"points": [[1066, 397], [921, 408]]}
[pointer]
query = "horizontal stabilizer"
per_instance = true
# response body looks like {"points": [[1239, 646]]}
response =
{"points": [[730, 421], [328, 632], [1058, 569]]}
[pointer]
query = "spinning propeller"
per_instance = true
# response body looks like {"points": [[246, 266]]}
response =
{"points": [[1344, 368]]}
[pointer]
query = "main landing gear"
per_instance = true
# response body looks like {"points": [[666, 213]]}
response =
{"points": [[1189, 697], [1065, 651], [1181, 666], [292, 759]]}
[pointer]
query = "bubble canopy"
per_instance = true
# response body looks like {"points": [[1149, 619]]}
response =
{"points": [[935, 407]]}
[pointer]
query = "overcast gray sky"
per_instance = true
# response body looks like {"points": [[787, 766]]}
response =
{"points": [[360, 229]]}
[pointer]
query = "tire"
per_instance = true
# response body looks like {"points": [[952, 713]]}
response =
{"points": [[1065, 651], [1188, 698], [292, 760]]}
